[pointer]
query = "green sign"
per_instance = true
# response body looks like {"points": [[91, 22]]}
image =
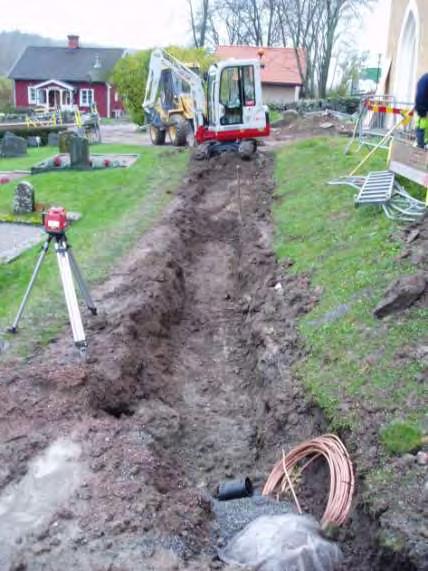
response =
{"points": [[372, 73]]}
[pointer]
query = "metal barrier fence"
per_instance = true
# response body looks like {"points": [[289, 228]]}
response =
{"points": [[378, 115]]}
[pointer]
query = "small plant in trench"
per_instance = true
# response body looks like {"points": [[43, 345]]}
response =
{"points": [[400, 437]]}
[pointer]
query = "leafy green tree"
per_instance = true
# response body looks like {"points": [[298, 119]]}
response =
{"points": [[131, 72], [198, 56], [5, 93], [129, 77]]}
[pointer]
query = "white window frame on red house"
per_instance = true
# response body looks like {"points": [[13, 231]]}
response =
{"points": [[32, 95], [84, 100]]}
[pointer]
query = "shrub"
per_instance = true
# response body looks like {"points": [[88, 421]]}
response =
{"points": [[5, 94]]}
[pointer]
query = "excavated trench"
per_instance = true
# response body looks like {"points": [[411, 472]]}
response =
{"points": [[189, 382]]}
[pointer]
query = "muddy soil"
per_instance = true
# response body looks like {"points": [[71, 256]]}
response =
{"points": [[111, 464]]}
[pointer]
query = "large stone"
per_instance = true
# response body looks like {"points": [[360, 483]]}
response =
{"points": [[13, 146], [402, 293], [79, 153], [53, 139], [289, 117], [23, 200]]}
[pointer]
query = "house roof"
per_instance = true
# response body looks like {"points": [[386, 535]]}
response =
{"points": [[66, 64], [280, 64]]}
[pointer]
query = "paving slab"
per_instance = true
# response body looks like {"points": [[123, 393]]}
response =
{"points": [[16, 238]]}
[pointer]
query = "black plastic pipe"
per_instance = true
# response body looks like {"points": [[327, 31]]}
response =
{"points": [[234, 489]]}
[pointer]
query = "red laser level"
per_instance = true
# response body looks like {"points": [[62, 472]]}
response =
{"points": [[56, 223], [55, 220]]}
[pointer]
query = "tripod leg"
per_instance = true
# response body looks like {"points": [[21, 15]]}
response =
{"points": [[43, 253], [70, 295], [82, 284]]}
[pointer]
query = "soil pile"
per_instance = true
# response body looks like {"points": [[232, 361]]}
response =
{"points": [[293, 125]]}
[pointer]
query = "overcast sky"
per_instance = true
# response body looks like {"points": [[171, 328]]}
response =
{"points": [[136, 23]]}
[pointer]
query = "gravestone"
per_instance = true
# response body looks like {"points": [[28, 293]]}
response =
{"points": [[79, 153], [33, 141], [13, 146], [53, 139], [64, 141], [23, 200]]}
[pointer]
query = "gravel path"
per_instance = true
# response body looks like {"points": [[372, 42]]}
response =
{"points": [[16, 238], [124, 133]]}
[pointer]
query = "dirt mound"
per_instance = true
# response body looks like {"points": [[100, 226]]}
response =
{"points": [[310, 124], [416, 238]]}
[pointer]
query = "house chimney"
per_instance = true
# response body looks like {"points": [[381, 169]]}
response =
{"points": [[73, 42]]}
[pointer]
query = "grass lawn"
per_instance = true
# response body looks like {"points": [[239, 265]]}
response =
{"points": [[353, 363], [32, 157], [117, 206]]}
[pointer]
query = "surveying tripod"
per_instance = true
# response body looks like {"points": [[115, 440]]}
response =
{"points": [[55, 223]]}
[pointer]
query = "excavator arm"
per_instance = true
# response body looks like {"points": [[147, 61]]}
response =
{"points": [[160, 60]]}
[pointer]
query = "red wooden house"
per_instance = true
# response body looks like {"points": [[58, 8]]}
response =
{"points": [[65, 77]]}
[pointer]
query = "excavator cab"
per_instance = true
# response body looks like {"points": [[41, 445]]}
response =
{"points": [[235, 109]]}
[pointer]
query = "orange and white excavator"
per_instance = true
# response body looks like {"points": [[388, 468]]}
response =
{"points": [[226, 111]]}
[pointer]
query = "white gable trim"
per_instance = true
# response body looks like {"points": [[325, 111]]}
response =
{"points": [[55, 82]]}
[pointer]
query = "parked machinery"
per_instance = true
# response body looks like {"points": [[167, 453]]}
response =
{"points": [[227, 110]]}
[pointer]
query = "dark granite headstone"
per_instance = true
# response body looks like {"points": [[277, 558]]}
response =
{"points": [[53, 139], [23, 201], [13, 146], [79, 153]]}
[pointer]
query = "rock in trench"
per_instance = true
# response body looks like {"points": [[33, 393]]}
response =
{"points": [[401, 294]]}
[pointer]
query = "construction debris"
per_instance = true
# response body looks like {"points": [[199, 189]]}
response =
{"points": [[382, 189]]}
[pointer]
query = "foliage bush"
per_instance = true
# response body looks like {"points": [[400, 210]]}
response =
{"points": [[131, 72], [129, 77], [5, 94]]}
